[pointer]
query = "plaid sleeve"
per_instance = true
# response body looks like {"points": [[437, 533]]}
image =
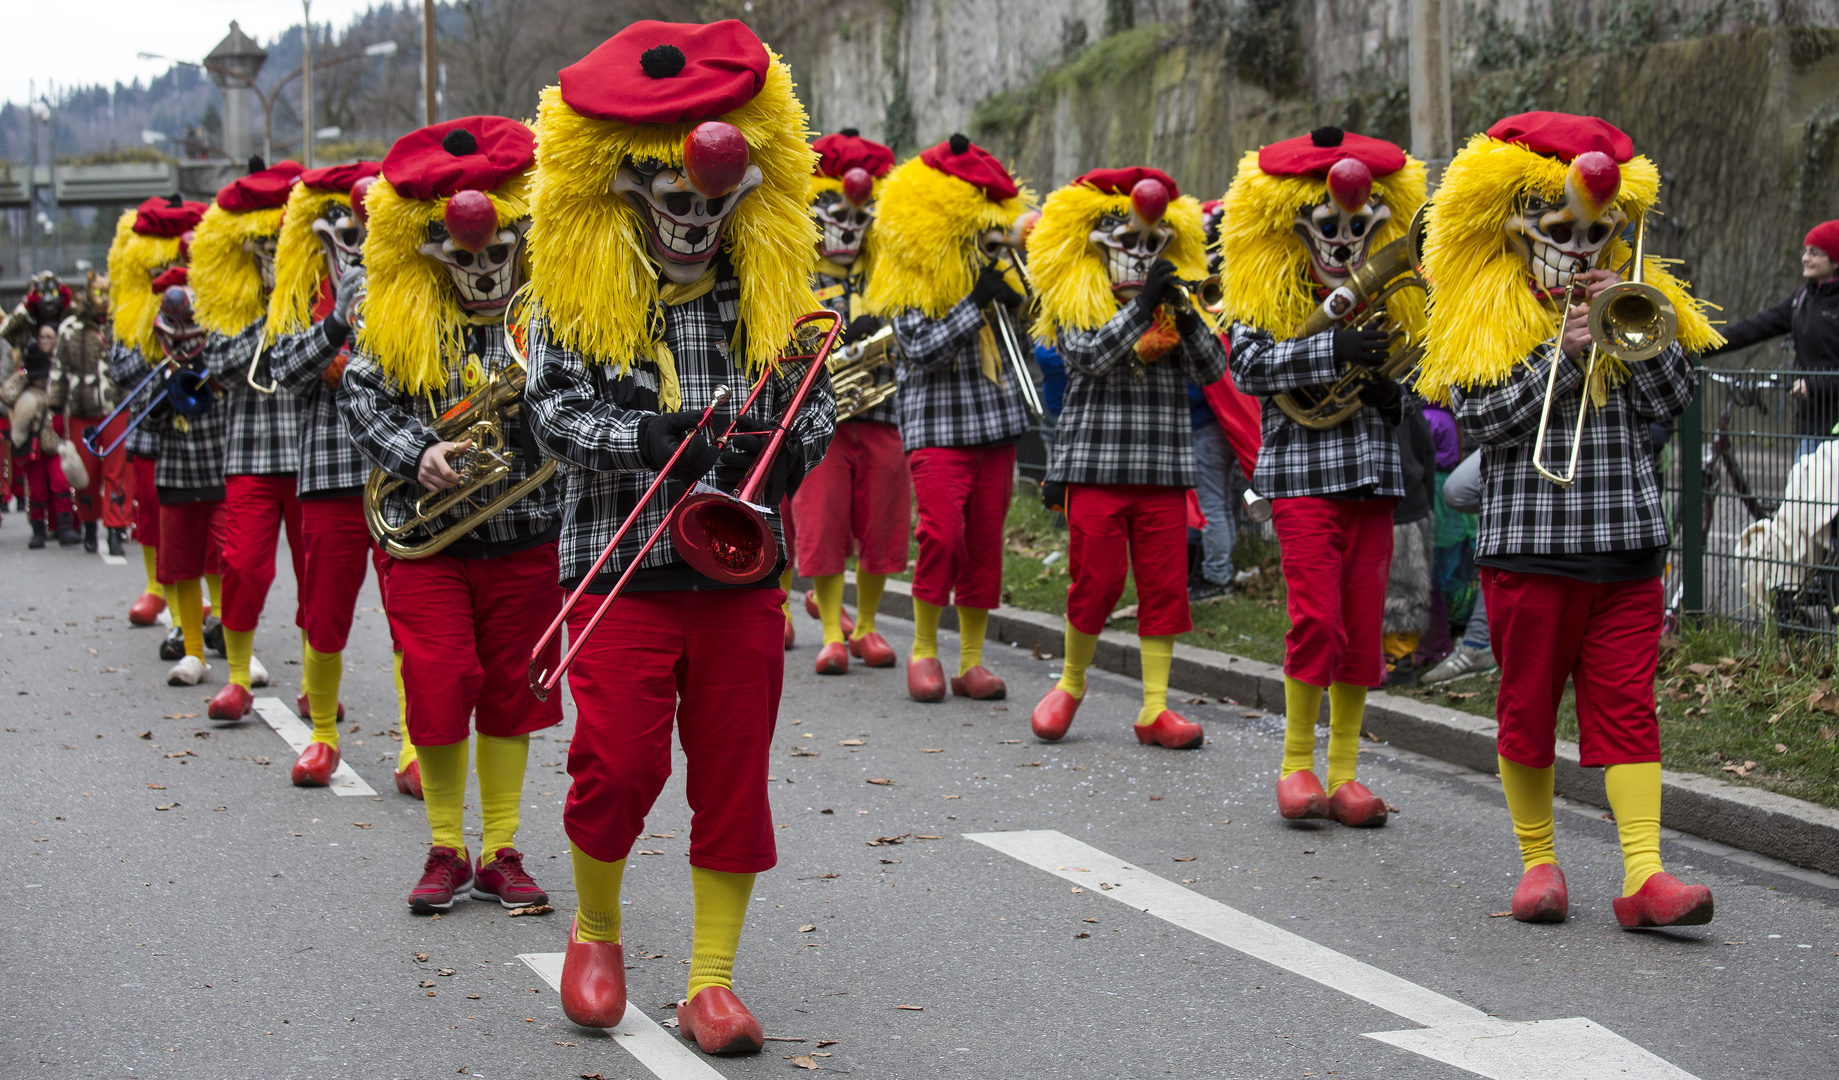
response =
{"points": [[932, 344], [297, 360], [570, 413], [1202, 355], [1262, 365], [229, 354], [127, 366], [1508, 412], [811, 430], [1102, 351], [385, 430], [1662, 387]]}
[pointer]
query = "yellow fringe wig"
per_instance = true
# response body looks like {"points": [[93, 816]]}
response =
{"points": [[591, 269], [1072, 287], [412, 323], [135, 260], [1265, 268], [928, 224], [865, 259], [224, 274], [1484, 316], [300, 261]]}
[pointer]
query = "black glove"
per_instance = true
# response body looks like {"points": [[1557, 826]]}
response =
{"points": [[743, 452], [1053, 496], [1158, 284], [861, 328], [658, 439], [1384, 395], [1366, 347], [991, 288]]}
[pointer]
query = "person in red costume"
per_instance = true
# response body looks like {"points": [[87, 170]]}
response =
{"points": [[82, 390]]}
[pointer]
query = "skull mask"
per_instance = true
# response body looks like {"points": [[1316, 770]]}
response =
{"points": [[178, 332], [686, 208], [48, 299], [845, 217], [340, 231], [1564, 237], [262, 250], [483, 260], [1131, 243], [1338, 231]]}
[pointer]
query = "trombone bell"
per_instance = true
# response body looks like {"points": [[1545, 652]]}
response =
{"points": [[1633, 321]]}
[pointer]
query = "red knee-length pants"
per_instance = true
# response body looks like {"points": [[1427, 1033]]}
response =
{"points": [[712, 661], [1337, 554], [1137, 527], [859, 500], [109, 498], [146, 501], [963, 495], [1604, 637], [47, 491], [256, 508], [338, 551], [191, 541]]}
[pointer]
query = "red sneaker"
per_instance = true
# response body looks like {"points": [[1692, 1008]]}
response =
{"points": [[849, 624], [872, 649], [593, 982], [233, 702], [1541, 895], [791, 634], [833, 659], [979, 684], [1053, 715], [408, 781], [925, 679], [305, 710], [315, 765], [1356, 807], [719, 1023], [444, 878], [1169, 730], [145, 611], [505, 880], [1300, 796], [1664, 900]]}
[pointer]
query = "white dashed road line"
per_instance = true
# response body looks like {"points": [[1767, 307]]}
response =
{"points": [[278, 715], [658, 1050], [1453, 1033]]}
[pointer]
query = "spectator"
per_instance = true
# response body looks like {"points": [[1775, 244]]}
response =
{"points": [[1213, 462], [1460, 492], [1408, 587]]}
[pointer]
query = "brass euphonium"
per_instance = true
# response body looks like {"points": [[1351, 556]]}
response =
{"points": [[1362, 302], [856, 374]]}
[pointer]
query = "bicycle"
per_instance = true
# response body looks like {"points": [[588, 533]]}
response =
{"points": [[1719, 467]]}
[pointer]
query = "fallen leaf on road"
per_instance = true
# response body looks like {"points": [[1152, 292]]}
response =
{"points": [[259, 760], [591, 1076], [1189, 880], [890, 862], [1081, 934], [561, 1043], [912, 1008], [662, 835], [1250, 713], [1077, 890], [803, 1061], [1010, 742], [530, 909], [941, 750], [168, 806], [670, 1022], [852, 742], [954, 796], [446, 971], [181, 716], [804, 753], [651, 853], [1390, 809], [821, 1043], [882, 781], [883, 841], [1499, 914], [421, 957], [157, 787], [180, 753], [1187, 858], [472, 997], [1028, 765], [829, 875], [1736, 943], [425, 983], [1194, 701], [362, 824], [1155, 798], [923, 836], [1088, 920], [783, 1038], [146, 734], [806, 928]]}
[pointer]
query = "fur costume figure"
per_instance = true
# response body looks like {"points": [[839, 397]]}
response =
{"points": [[47, 302], [1302, 218], [83, 393], [1109, 257], [1533, 223], [672, 246]]}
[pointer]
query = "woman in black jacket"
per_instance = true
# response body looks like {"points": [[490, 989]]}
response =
{"points": [[1810, 315]]}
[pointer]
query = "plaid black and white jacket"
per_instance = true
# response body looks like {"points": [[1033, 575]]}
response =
{"points": [[1615, 503], [189, 450], [264, 428], [329, 461], [393, 427], [1126, 422], [835, 293], [124, 362], [944, 398], [587, 416], [1356, 457]]}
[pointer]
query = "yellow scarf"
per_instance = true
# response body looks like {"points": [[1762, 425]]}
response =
{"points": [[670, 294], [989, 358]]}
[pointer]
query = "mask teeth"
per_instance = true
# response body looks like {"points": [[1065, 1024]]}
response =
{"points": [[676, 236]]}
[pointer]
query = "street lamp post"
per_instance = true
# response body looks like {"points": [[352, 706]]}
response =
{"points": [[306, 82]]}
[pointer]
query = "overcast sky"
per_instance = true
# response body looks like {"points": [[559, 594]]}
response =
{"points": [[95, 41]]}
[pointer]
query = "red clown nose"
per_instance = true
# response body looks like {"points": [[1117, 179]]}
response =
{"points": [[1350, 184], [858, 186], [1594, 179], [1149, 200], [715, 158], [472, 220], [358, 191]]}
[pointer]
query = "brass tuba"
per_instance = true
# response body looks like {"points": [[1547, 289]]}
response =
{"points": [[855, 373], [1359, 303]]}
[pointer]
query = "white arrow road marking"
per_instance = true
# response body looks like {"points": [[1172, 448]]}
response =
{"points": [[658, 1050], [1453, 1033], [278, 715]]}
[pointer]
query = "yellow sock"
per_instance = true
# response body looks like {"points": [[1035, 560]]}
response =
{"points": [[597, 887], [1397, 646], [214, 582], [1346, 709], [721, 908], [238, 646], [1529, 804], [1158, 656], [973, 624], [1302, 707], [150, 557], [189, 614], [868, 599], [407, 753], [1634, 797], [785, 582], [1080, 648], [829, 589], [925, 629], [443, 792], [500, 764], [320, 677]]}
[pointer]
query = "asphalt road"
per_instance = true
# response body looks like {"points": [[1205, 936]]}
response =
{"points": [[255, 929]]}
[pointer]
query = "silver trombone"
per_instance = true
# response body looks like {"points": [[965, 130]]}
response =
{"points": [[1008, 341]]}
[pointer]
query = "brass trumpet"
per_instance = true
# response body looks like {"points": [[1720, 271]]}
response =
{"points": [[855, 374]]}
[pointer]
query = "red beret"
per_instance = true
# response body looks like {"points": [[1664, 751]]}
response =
{"points": [[340, 177], [478, 153], [1120, 181], [846, 150], [668, 73], [263, 190], [1824, 236], [172, 275], [159, 217], [1315, 153], [1564, 136], [964, 159]]}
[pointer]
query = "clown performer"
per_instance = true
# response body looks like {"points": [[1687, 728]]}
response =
{"points": [[705, 238], [945, 257], [1301, 218], [319, 277], [1529, 228], [233, 271], [83, 393], [859, 499], [1108, 260], [444, 253]]}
